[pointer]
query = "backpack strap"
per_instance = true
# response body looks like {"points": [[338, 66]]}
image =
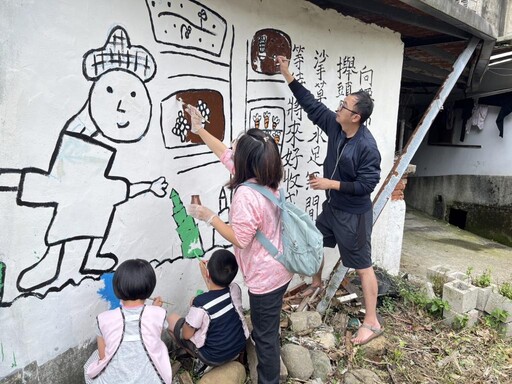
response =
{"points": [[265, 192], [271, 248]]}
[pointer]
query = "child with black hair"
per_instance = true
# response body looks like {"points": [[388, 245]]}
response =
{"points": [[130, 348], [214, 330]]}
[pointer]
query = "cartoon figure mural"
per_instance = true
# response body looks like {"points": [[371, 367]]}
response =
{"points": [[87, 179], [78, 184]]}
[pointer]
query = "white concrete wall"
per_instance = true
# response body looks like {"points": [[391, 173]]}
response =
{"points": [[57, 200], [493, 158]]}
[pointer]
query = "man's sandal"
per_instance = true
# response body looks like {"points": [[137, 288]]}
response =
{"points": [[376, 332]]}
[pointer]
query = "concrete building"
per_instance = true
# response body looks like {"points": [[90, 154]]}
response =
{"points": [[464, 172]]}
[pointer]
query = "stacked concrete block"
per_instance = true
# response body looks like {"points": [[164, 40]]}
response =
{"points": [[450, 317], [483, 296], [439, 271], [459, 276], [506, 329], [462, 298], [468, 302], [498, 301], [460, 295]]}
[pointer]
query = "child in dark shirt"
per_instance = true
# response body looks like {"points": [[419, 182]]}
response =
{"points": [[214, 330]]}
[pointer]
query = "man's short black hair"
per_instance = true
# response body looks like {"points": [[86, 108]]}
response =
{"points": [[363, 105], [222, 267], [134, 279]]}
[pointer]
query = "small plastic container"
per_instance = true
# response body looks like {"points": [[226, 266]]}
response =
{"points": [[195, 200]]}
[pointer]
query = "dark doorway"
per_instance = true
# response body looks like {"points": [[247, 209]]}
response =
{"points": [[458, 217]]}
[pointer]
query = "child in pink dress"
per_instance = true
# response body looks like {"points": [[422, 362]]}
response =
{"points": [[130, 348]]}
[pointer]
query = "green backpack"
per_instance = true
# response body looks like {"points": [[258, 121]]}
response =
{"points": [[302, 241]]}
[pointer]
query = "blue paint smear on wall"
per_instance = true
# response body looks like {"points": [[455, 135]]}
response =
{"points": [[107, 293]]}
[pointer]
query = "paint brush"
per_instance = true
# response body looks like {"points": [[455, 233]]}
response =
{"points": [[186, 105], [165, 302], [285, 60], [198, 258]]}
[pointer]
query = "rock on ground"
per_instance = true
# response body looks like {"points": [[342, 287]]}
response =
{"points": [[361, 376], [303, 321], [229, 373], [321, 365], [297, 361]]}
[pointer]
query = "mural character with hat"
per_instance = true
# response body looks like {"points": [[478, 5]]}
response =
{"points": [[78, 184]]}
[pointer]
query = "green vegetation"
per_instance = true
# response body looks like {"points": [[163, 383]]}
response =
{"points": [[482, 281], [496, 318], [505, 289], [438, 281], [460, 321], [434, 306]]}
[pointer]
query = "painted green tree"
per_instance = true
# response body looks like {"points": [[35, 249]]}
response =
{"points": [[188, 231]]}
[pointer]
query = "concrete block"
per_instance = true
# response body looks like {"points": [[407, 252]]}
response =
{"points": [[460, 295], [428, 289], [497, 301], [450, 316], [506, 330], [439, 271], [483, 296], [459, 276]]}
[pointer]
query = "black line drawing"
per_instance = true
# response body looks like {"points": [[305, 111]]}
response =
{"points": [[187, 24], [78, 184]]}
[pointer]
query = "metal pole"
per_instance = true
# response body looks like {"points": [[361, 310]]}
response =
{"points": [[421, 130]]}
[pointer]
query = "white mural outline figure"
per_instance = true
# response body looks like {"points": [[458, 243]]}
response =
{"points": [[78, 184]]}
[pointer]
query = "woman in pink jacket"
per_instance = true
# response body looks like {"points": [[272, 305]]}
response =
{"points": [[254, 158]]}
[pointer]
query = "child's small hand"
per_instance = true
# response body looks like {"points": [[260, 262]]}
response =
{"points": [[202, 267], [158, 301]]}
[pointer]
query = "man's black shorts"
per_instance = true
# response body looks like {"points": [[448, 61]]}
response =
{"points": [[351, 232]]}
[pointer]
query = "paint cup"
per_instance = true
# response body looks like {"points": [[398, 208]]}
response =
{"points": [[195, 200], [312, 176]]}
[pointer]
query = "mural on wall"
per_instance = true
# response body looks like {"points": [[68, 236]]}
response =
{"points": [[175, 122], [351, 77], [266, 45], [263, 110], [187, 24], [78, 184], [91, 137]]}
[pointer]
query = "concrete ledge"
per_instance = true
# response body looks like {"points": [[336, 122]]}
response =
{"points": [[64, 369]]}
